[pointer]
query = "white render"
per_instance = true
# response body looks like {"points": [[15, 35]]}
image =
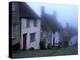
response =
{"points": [[28, 30], [56, 35], [53, 35], [73, 40], [57, 38]]}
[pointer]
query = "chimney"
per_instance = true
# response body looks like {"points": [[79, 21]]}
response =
{"points": [[42, 11]]}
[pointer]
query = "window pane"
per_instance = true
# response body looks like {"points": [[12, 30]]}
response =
{"points": [[13, 32], [23, 21], [13, 6], [27, 23], [32, 37], [35, 22]]}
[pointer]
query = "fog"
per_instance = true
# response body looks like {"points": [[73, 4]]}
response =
{"points": [[64, 13]]}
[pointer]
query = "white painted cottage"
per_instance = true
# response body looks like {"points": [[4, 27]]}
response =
{"points": [[50, 28], [27, 34], [73, 41], [30, 28], [55, 38], [30, 33]]}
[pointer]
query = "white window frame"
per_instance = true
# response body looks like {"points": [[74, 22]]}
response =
{"points": [[13, 32]]}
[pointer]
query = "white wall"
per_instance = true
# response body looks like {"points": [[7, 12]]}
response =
{"points": [[29, 30], [73, 40], [56, 35], [52, 39], [57, 38]]}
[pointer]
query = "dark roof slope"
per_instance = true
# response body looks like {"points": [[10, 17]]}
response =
{"points": [[25, 10], [51, 22]]}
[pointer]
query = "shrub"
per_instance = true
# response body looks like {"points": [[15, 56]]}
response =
{"points": [[31, 48], [42, 45], [16, 47], [49, 46]]}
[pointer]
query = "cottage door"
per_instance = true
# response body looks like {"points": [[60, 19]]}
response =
{"points": [[53, 41], [24, 41]]}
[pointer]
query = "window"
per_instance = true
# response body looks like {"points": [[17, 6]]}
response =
{"points": [[13, 6], [13, 32], [23, 23], [27, 23], [35, 23], [32, 37]]}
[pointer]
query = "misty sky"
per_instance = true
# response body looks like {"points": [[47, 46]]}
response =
{"points": [[65, 13]]}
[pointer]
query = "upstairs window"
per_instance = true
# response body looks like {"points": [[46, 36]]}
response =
{"points": [[27, 23], [35, 23], [13, 7]]}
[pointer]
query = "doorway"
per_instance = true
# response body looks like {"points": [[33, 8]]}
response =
{"points": [[24, 41], [53, 41]]}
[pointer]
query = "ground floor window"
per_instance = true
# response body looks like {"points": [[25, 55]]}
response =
{"points": [[13, 33], [32, 37]]}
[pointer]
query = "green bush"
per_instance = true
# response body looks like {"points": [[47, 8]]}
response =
{"points": [[49, 46], [16, 46], [42, 45], [31, 48]]}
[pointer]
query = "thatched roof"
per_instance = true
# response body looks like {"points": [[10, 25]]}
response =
{"points": [[51, 22], [25, 10]]}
